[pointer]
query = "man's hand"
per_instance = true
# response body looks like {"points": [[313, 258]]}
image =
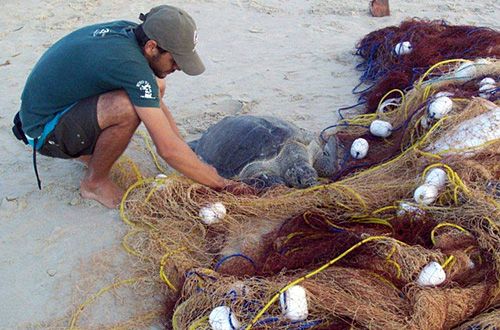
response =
{"points": [[239, 188]]}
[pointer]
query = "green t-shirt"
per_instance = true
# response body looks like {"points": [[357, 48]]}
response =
{"points": [[90, 61]]}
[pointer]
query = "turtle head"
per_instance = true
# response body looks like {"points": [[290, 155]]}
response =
{"points": [[325, 161], [301, 175]]}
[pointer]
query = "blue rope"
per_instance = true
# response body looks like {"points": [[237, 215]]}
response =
{"points": [[337, 125], [220, 262]]}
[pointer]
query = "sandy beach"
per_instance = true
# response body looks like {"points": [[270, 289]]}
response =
{"points": [[292, 59]]}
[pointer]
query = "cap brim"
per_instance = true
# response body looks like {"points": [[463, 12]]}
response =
{"points": [[190, 63]]}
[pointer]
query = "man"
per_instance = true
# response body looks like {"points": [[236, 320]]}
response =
{"points": [[88, 93]]}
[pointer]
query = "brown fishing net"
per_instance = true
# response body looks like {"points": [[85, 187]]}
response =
{"points": [[357, 244], [430, 42]]}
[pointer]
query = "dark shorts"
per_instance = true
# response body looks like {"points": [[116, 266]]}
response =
{"points": [[76, 132]]}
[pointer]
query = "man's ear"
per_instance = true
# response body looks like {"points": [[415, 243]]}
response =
{"points": [[150, 47]]}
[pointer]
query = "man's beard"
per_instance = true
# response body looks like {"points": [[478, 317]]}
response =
{"points": [[156, 71]]}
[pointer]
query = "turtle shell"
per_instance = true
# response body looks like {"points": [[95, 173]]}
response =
{"points": [[234, 142]]}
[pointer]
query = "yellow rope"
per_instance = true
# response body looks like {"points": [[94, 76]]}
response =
{"points": [[80, 309], [123, 216], [421, 80], [448, 261], [384, 280], [372, 220], [152, 152], [445, 224], [385, 208], [127, 247], [311, 274], [200, 322], [163, 262], [403, 97], [396, 265]]}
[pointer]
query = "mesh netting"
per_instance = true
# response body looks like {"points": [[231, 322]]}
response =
{"points": [[358, 244], [430, 42]]}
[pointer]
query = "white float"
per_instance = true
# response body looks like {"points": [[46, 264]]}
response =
{"points": [[470, 133], [486, 90], [359, 148], [395, 102], [161, 181], [213, 213], [440, 107], [294, 303], [381, 128], [403, 48], [487, 81], [426, 194], [466, 70], [407, 208], [436, 177], [221, 318], [431, 275]]}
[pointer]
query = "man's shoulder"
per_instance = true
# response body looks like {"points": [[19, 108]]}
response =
{"points": [[113, 26], [103, 32]]}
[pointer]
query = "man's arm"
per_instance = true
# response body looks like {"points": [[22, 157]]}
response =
{"points": [[162, 86], [170, 119], [175, 151]]}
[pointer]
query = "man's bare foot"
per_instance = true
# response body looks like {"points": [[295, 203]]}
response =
{"points": [[105, 192]]}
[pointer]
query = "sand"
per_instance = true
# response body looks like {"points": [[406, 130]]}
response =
{"points": [[291, 59]]}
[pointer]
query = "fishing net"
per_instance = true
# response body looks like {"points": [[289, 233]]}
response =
{"points": [[396, 56], [357, 245]]}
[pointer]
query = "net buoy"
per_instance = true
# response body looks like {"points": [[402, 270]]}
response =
{"points": [[465, 71], [161, 181], [359, 148], [221, 318], [431, 275], [440, 107], [487, 81], [403, 48], [487, 90], [436, 177], [405, 208], [294, 303], [212, 213], [426, 194], [381, 128]]}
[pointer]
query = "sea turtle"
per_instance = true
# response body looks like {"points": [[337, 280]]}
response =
{"points": [[265, 151]]}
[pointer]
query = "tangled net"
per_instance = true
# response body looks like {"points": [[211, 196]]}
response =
{"points": [[430, 41], [356, 245]]}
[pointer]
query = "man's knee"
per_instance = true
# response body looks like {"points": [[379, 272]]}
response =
{"points": [[116, 108]]}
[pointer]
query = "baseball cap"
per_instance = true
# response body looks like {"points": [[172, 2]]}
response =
{"points": [[174, 31]]}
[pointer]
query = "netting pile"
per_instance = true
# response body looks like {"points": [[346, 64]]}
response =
{"points": [[357, 245], [396, 56]]}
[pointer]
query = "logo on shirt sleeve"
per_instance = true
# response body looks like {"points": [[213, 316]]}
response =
{"points": [[145, 88], [101, 32]]}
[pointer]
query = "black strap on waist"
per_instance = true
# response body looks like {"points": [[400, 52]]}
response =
{"points": [[34, 165], [17, 129]]}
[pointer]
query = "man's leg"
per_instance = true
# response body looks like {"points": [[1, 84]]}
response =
{"points": [[118, 120]]}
